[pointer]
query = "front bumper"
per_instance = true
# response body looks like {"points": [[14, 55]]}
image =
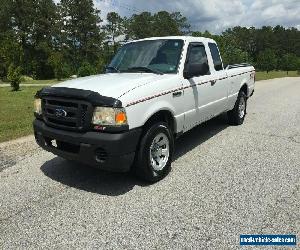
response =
{"points": [[113, 152]]}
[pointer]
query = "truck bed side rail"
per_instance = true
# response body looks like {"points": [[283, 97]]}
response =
{"points": [[233, 66]]}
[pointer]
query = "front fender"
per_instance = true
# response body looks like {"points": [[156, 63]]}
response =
{"points": [[139, 114]]}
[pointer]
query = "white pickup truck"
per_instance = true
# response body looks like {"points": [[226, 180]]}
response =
{"points": [[153, 90]]}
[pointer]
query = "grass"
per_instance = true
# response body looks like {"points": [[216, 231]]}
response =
{"points": [[263, 75], [16, 112], [31, 81], [50, 82]]}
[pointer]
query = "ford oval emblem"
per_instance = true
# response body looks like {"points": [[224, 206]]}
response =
{"points": [[60, 113]]}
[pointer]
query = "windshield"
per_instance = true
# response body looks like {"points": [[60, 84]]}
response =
{"points": [[152, 56]]}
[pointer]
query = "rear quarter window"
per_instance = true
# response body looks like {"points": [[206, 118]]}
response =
{"points": [[215, 56]]}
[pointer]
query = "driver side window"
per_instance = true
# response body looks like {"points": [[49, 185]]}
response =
{"points": [[197, 55], [196, 63]]}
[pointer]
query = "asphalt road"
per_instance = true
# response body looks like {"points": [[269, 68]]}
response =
{"points": [[225, 181]]}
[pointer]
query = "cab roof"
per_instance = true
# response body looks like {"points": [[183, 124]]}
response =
{"points": [[185, 38]]}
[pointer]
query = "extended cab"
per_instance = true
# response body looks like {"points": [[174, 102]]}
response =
{"points": [[153, 90]]}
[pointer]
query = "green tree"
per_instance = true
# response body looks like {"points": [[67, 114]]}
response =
{"points": [[32, 23], [233, 55], [81, 34], [86, 69], [242, 38], [206, 34], [181, 22], [264, 41], [32, 33], [230, 50], [14, 76], [10, 51], [100, 64], [140, 26], [289, 62], [166, 24], [114, 28], [60, 67], [161, 23], [266, 60]]}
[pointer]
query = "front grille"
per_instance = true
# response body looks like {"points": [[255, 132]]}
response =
{"points": [[68, 114]]}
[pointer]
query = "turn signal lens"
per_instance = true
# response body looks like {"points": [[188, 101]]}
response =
{"points": [[120, 118]]}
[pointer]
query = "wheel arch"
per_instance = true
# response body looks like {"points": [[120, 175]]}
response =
{"points": [[244, 88], [164, 115]]}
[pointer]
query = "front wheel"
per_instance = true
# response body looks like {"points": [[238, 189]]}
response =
{"points": [[237, 115], [153, 160]]}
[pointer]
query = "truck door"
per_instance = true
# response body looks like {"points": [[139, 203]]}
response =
{"points": [[221, 83], [203, 94]]}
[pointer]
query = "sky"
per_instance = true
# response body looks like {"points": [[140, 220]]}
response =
{"points": [[214, 15]]}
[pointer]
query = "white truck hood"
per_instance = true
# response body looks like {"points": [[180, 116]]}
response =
{"points": [[112, 84]]}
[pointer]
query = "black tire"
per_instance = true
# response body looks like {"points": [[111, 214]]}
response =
{"points": [[234, 115], [142, 166]]}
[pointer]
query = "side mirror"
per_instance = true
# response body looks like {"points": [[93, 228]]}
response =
{"points": [[196, 69]]}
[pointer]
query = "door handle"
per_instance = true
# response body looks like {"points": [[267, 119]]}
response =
{"points": [[213, 82], [176, 94]]}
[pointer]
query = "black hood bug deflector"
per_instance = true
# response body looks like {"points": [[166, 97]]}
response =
{"points": [[93, 97]]}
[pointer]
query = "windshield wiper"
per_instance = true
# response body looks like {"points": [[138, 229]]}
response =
{"points": [[113, 68], [145, 69]]}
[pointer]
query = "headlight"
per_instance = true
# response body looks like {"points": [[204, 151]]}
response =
{"points": [[109, 116], [38, 106]]}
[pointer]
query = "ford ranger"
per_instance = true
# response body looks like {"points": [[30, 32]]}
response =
{"points": [[153, 90]]}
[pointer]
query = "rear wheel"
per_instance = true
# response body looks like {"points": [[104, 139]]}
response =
{"points": [[237, 115], [153, 160]]}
